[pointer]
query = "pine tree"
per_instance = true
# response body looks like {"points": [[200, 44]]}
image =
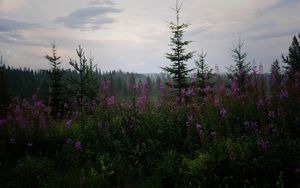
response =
{"points": [[204, 72], [56, 82], [84, 85], [178, 69], [241, 70], [292, 61]]}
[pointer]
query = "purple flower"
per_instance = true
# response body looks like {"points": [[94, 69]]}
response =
{"points": [[284, 93], [260, 104], [263, 145], [69, 123], [77, 145], [222, 113], [234, 87], [110, 101], [140, 101], [189, 92], [161, 87], [29, 144], [105, 84], [42, 122], [199, 129], [189, 120], [216, 102], [271, 114], [2, 122]]}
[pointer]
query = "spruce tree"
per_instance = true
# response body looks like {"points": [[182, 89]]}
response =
{"points": [[292, 61], [83, 86], [56, 82], [241, 70], [204, 72], [178, 57]]}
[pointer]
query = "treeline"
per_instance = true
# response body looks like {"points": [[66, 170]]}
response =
{"points": [[25, 82]]}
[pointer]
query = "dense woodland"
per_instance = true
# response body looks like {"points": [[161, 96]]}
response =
{"points": [[184, 128]]}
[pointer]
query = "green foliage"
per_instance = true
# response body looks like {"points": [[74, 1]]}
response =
{"points": [[35, 172], [241, 70], [292, 61], [4, 86], [178, 69], [204, 72], [83, 86], [56, 82]]}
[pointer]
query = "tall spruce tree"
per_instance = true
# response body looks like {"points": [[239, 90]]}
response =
{"points": [[82, 85], [178, 57], [292, 61], [204, 72], [56, 82], [241, 70]]}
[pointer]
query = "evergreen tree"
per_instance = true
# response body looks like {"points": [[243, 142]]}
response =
{"points": [[82, 85], [275, 70], [178, 69], [292, 61], [4, 86], [56, 82], [241, 70], [204, 72]]}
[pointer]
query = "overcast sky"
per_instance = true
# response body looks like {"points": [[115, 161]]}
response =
{"points": [[133, 35]]}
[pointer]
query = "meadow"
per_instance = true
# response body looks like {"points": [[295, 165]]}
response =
{"points": [[218, 136]]}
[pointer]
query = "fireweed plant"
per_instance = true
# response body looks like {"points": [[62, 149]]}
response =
{"points": [[238, 132]]}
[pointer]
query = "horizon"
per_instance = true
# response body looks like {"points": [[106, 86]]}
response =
{"points": [[134, 37]]}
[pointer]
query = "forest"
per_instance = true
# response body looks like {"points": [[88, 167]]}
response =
{"points": [[84, 127]]}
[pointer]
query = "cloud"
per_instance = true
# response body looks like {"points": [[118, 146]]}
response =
{"points": [[197, 31], [15, 37], [101, 2], [8, 25], [276, 34], [277, 5], [92, 17]]}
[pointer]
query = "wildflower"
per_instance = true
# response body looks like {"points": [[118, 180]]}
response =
{"points": [[284, 93], [260, 104], [2, 122], [189, 120], [205, 99], [263, 145], [234, 87], [110, 101], [140, 101], [29, 144], [189, 92], [222, 113], [105, 84], [199, 129], [77, 145], [216, 102], [69, 123], [42, 121], [271, 114], [161, 87]]}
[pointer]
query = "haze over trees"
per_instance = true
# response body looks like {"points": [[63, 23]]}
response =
{"points": [[83, 127]]}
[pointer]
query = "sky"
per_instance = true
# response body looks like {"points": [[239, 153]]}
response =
{"points": [[133, 35]]}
